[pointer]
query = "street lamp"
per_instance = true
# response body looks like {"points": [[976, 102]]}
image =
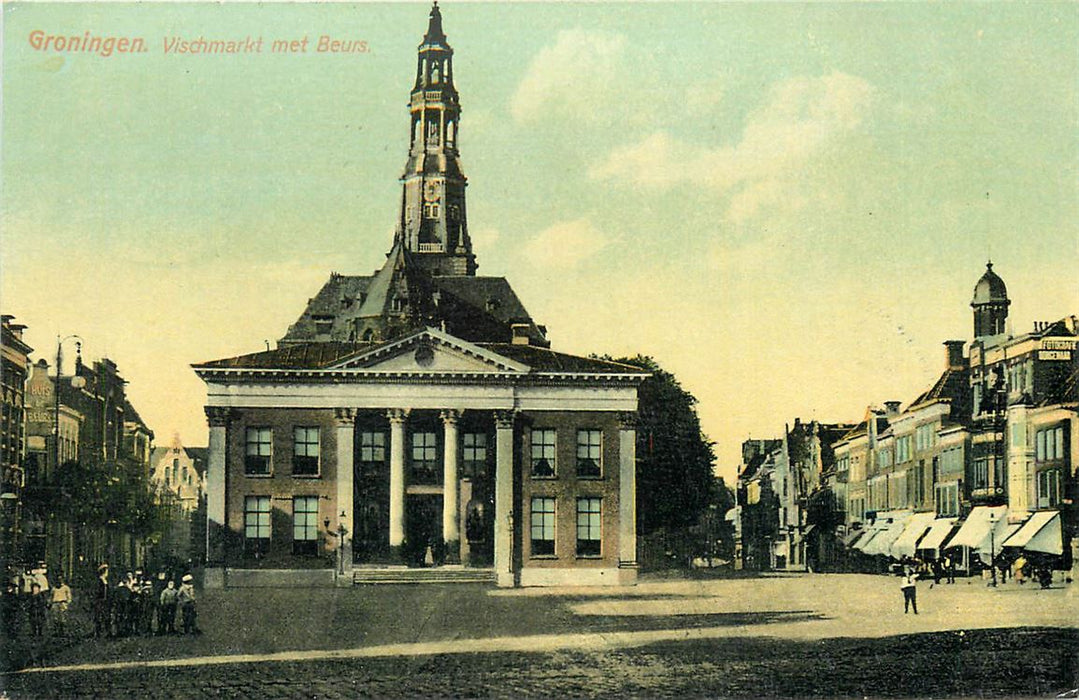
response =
{"points": [[340, 535], [992, 550]]}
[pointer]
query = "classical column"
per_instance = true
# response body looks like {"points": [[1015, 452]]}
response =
{"points": [[397, 417], [346, 437], [504, 498], [451, 506], [627, 497], [216, 532]]}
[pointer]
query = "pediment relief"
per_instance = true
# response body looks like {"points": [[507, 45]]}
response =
{"points": [[431, 351]]}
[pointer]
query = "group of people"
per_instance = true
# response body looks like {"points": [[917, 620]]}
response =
{"points": [[31, 596], [141, 605], [137, 604]]}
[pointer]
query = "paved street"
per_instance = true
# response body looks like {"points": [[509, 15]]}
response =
{"points": [[815, 635]]}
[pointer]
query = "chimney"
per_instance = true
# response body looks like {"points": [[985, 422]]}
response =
{"points": [[954, 354], [891, 408]]}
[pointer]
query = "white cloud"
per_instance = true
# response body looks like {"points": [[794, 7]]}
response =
{"points": [[800, 120], [565, 244], [572, 78]]}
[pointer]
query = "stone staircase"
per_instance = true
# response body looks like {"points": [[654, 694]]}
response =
{"points": [[370, 575]]}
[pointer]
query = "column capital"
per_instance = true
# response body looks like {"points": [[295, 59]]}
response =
{"points": [[450, 415], [219, 416], [628, 420], [397, 415], [505, 419], [344, 417]]}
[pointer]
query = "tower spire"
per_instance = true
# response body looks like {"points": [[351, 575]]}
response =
{"points": [[432, 224]]}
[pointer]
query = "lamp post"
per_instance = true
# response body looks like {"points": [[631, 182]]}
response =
{"points": [[992, 550], [340, 535]]}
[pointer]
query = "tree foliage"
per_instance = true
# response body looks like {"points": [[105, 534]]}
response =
{"points": [[675, 482]]}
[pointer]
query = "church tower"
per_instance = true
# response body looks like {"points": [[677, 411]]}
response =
{"points": [[432, 224], [990, 304]]}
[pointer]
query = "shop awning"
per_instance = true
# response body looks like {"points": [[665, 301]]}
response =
{"points": [[892, 527], [975, 531], [916, 526], [1042, 533], [862, 543], [851, 537], [938, 533]]}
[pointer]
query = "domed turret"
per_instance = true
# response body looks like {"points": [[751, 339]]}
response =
{"points": [[990, 304]]}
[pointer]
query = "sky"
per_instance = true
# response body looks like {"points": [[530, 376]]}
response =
{"points": [[786, 205]]}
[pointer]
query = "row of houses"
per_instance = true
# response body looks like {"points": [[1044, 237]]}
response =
{"points": [[82, 482], [978, 468]]}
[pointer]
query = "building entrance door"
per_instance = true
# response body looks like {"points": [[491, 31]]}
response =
{"points": [[423, 530]]}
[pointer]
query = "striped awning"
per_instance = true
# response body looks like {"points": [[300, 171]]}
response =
{"points": [[938, 534], [1041, 533], [906, 543]]}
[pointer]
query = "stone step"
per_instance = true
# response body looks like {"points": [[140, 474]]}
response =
{"points": [[390, 575]]}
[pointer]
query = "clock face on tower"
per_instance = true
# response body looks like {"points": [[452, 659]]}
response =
{"points": [[431, 190]]}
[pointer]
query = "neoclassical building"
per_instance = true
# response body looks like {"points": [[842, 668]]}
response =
{"points": [[418, 416]]}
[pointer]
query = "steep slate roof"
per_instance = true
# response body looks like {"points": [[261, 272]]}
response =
{"points": [[130, 414], [479, 309], [950, 386], [321, 355]]}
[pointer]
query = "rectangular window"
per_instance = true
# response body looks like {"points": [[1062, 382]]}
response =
{"points": [[425, 458], [305, 451], [543, 452], [1058, 441], [256, 524], [305, 525], [372, 447], [1049, 488], [918, 484], [1016, 430], [589, 449], [543, 526], [474, 454], [588, 527], [947, 496], [980, 476], [902, 449], [258, 451]]}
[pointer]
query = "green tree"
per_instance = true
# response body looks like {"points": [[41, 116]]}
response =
{"points": [[675, 482]]}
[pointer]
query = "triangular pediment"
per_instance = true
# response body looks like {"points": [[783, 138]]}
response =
{"points": [[427, 351]]}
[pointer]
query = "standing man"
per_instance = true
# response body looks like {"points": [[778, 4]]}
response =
{"points": [[61, 601], [158, 587], [166, 622], [36, 609], [910, 590], [187, 603], [102, 599]]}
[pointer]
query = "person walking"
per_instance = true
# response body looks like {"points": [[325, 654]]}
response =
{"points": [[166, 623], [186, 599], [102, 601], [910, 590], [58, 606]]}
